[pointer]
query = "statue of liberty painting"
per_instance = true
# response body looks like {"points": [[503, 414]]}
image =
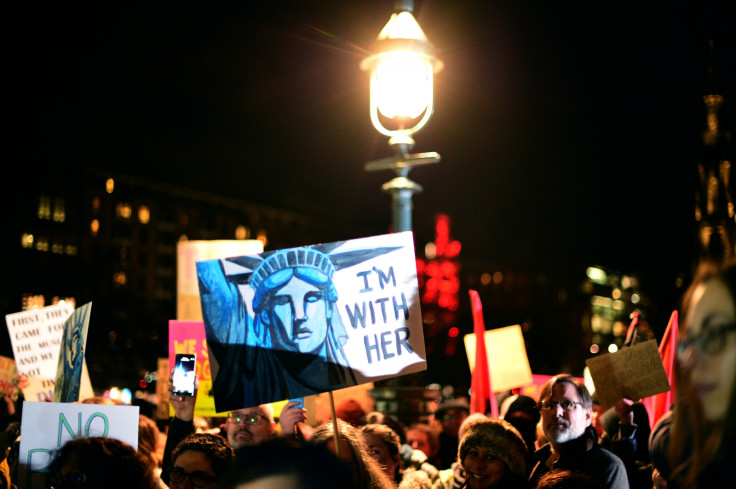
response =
{"points": [[289, 342]]}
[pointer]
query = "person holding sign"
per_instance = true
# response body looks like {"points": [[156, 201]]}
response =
{"points": [[567, 415], [702, 437]]}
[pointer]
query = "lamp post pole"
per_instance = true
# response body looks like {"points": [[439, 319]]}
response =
{"points": [[401, 188]]}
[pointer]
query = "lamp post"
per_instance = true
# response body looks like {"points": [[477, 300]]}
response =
{"points": [[402, 69]]}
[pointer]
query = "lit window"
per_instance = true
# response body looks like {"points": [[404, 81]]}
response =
{"points": [[26, 241], [497, 278], [123, 210], [119, 279], [242, 232], [42, 244], [95, 204], [44, 207], [59, 210], [110, 185], [144, 214], [71, 250], [262, 237], [94, 227], [30, 301]]}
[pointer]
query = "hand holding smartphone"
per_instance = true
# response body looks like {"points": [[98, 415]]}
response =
{"points": [[185, 373]]}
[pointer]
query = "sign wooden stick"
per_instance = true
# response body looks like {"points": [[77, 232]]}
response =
{"points": [[334, 425]]}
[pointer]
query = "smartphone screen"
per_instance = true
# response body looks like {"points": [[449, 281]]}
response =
{"points": [[300, 400], [184, 374]]}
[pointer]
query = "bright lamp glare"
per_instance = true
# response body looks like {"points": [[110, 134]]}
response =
{"points": [[403, 85]]}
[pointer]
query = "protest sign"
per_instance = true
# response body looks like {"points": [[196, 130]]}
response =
{"points": [[507, 359], [297, 322], [188, 337], [163, 410], [633, 372], [36, 338], [8, 378], [47, 426], [71, 355], [188, 306]]}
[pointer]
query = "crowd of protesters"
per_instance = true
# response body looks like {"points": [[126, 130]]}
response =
{"points": [[558, 440]]}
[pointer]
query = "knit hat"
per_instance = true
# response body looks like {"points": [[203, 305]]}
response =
{"points": [[498, 437]]}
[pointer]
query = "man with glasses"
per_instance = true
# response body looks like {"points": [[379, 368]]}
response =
{"points": [[567, 414], [251, 426]]}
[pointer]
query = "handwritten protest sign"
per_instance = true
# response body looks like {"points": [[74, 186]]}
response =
{"points": [[633, 372], [47, 426], [297, 322], [188, 307], [507, 360], [36, 337], [188, 337]]}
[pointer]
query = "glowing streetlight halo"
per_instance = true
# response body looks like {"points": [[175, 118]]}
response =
{"points": [[402, 71]]}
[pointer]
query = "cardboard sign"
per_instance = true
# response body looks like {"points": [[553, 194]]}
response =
{"points": [[633, 372], [507, 360], [47, 426], [71, 355], [297, 322], [36, 340], [188, 306], [188, 337]]}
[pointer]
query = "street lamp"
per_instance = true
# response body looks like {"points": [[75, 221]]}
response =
{"points": [[402, 69]]}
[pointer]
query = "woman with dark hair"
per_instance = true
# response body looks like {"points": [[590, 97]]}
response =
{"points": [[367, 473], [92, 463], [702, 440]]}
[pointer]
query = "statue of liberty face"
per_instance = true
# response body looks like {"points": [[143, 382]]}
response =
{"points": [[299, 317]]}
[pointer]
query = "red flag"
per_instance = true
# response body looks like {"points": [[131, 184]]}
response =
{"points": [[480, 390], [658, 405]]}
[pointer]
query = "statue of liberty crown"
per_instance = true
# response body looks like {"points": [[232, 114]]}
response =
{"points": [[296, 258]]}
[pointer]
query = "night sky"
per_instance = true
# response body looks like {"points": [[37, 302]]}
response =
{"points": [[569, 130]]}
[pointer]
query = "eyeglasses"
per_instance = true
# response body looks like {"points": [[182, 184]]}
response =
{"points": [[197, 478], [249, 418], [565, 404], [711, 340]]}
